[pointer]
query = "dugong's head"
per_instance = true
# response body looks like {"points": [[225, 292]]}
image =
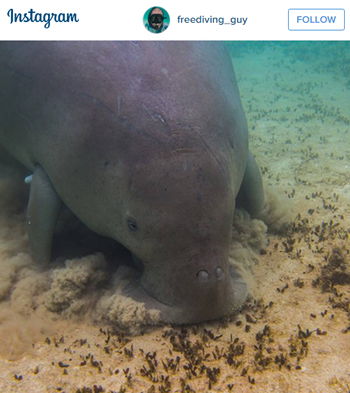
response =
{"points": [[177, 224], [172, 128]]}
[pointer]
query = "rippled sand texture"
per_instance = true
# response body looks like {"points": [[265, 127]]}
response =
{"points": [[294, 333]]}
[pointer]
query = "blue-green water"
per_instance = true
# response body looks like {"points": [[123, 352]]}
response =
{"points": [[296, 96]]}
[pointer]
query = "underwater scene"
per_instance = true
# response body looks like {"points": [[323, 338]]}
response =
{"points": [[280, 320]]}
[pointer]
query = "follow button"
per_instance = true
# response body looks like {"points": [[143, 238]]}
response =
{"points": [[316, 19]]}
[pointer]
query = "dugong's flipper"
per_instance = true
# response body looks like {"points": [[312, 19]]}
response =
{"points": [[251, 194], [43, 209]]}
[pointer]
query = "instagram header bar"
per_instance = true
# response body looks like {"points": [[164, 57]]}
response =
{"points": [[168, 20]]}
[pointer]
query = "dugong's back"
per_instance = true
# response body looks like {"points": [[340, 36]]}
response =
{"points": [[151, 90]]}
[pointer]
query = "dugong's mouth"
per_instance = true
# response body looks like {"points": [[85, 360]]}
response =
{"points": [[192, 313]]}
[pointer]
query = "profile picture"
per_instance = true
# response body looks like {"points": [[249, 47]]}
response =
{"points": [[156, 20]]}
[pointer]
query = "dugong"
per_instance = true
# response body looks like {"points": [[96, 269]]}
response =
{"points": [[147, 144]]}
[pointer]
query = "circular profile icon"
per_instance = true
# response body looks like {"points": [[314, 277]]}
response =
{"points": [[156, 20]]}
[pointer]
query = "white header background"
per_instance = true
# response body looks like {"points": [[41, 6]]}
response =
{"points": [[122, 20]]}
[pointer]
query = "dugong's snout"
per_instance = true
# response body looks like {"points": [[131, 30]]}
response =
{"points": [[190, 294]]}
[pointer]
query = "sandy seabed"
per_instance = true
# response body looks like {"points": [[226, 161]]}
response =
{"points": [[293, 335]]}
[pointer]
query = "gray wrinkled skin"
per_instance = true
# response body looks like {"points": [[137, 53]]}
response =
{"points": [[146, 143]]}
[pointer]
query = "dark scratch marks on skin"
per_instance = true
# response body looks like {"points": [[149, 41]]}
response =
{"points": [[27, 120], [125, 123], [210, 151], [147, 111], [149, 229], [158, 117]]}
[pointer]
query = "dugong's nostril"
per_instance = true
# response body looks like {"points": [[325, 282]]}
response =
{"points": [[203, 276], [219, 273]]}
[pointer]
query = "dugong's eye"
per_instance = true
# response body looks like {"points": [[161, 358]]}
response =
{"points": [[132, 224]]}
